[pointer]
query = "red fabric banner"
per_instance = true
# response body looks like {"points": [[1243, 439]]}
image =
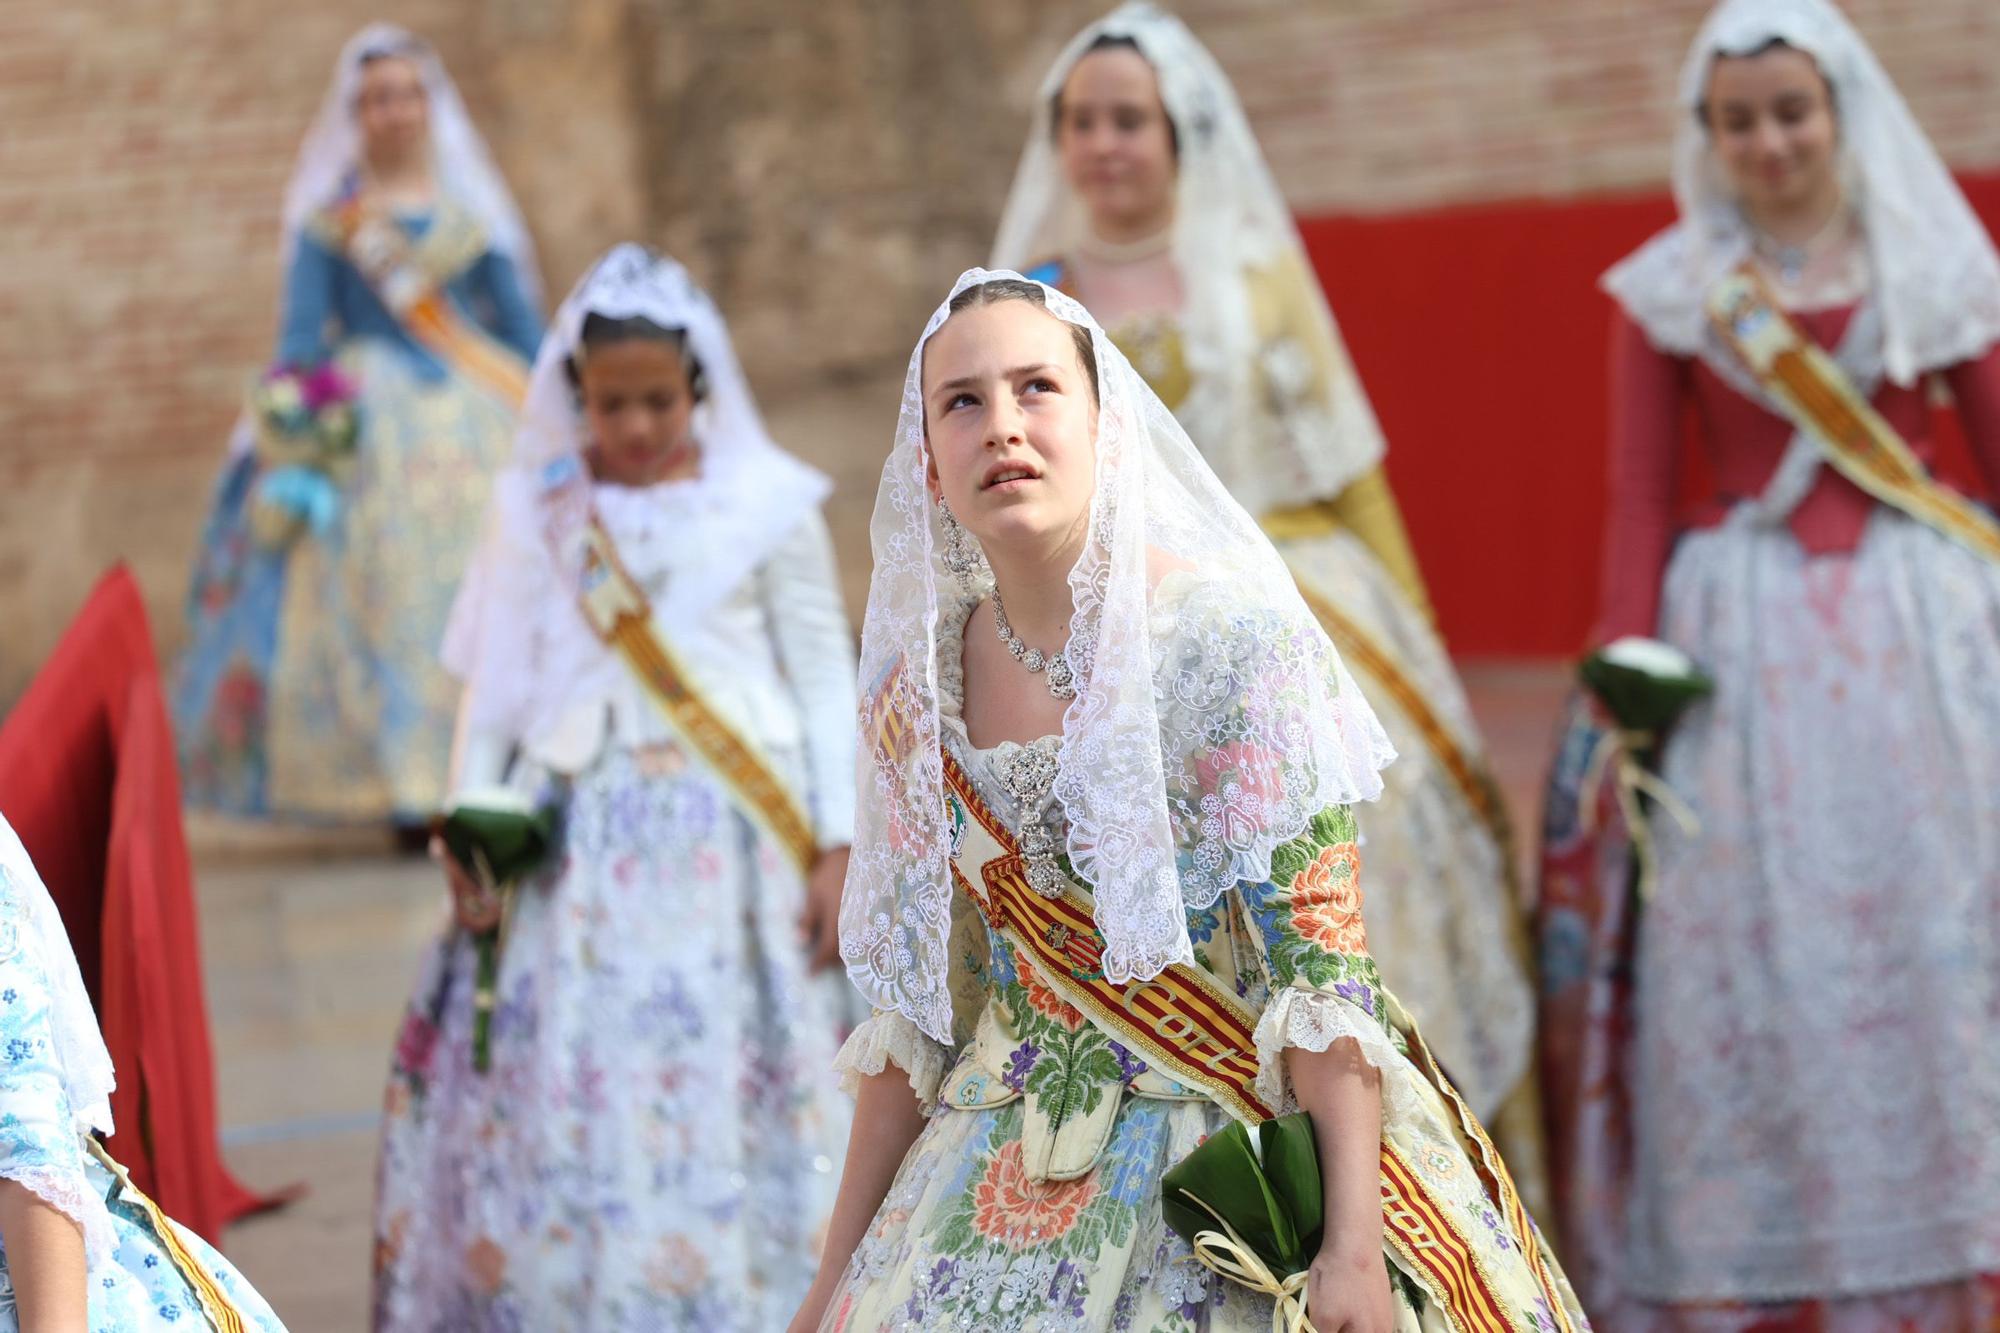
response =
{"points": [[87, 779]]}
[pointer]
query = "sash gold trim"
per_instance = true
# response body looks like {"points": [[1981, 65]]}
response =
{"points": [[1816, 395], [1187, 1026], [216, 1306], [616, 608]]}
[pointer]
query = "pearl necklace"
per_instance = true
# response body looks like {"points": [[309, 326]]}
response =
{"points": [[1095, 247], [1061, 680]]}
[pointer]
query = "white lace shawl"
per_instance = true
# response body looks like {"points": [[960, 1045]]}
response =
{"points": [[1167, 806], [1269, 448], [752, 495], [31, 929], [1936, 276]]}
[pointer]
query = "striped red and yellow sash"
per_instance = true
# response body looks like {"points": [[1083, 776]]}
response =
{"points": [[616, 608], [435, 322], [1188, 1026], [1816, 395], [1493, 1173], [216, 1307]]}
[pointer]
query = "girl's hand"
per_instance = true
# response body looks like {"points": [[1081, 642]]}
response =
{"points": [[472, 905], [819, 924], [1347, 1288]]}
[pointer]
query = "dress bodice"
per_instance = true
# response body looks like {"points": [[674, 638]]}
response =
{"points": [[1293, 941], [1742, 442], [773, 657], [328, 302]]}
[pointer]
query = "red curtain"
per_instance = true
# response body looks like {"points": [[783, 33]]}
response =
{"points": [[87, 779], [1481, 337]]}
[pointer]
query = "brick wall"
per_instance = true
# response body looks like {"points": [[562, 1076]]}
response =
{"points": [[825, 167]]}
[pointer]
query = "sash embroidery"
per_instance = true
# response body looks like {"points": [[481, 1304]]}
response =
{"points": [[1189, 1027], [413, 291], [216, 1307], [1812, 391], [616, 608]]}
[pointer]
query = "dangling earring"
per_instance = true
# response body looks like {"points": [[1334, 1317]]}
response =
{"points": [[962, 555]]}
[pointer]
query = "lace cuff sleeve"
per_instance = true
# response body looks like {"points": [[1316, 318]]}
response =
{"points": [[1325, 984], [1301, 1018], [891, 1039]]}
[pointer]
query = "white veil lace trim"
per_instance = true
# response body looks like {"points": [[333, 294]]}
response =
{"points": [[1229, 220], [1203, 735], [753, 493], [331, 151], [29, 922], [1937, 279]]}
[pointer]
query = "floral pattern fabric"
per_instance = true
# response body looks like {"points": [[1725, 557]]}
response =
{"points": [[1774, 1096], [978, 1233], [311, 685], [133, 1284], [655, 1144]]}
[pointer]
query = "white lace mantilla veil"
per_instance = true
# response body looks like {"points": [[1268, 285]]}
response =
{"points": [[29, 921], [1255, 727], [1229, 220], [331, 152], [754, 494], [1936, 277]]}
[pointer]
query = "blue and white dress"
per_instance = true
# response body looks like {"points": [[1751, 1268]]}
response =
{"points": [[55, 1079], [311, 686]]}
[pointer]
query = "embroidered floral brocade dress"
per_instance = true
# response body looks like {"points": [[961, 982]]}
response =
{"points": [[1031, 1201], [311, 685], [1775, 1093], [656, 1144]]}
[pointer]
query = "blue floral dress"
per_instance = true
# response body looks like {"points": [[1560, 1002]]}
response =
{"points": [[311, 685], [133, 1281]]}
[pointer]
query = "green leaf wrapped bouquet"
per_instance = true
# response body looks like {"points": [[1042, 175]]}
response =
{"points": [[1645, 685], [1250, 1203], [499, 836]]}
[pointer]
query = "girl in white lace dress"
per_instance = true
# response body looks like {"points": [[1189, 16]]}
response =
{"points": [[1779, 1108], [653, 1146], [81, 1248]]}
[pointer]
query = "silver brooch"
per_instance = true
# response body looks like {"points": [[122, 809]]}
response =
{"points": [[1029, 774]]}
